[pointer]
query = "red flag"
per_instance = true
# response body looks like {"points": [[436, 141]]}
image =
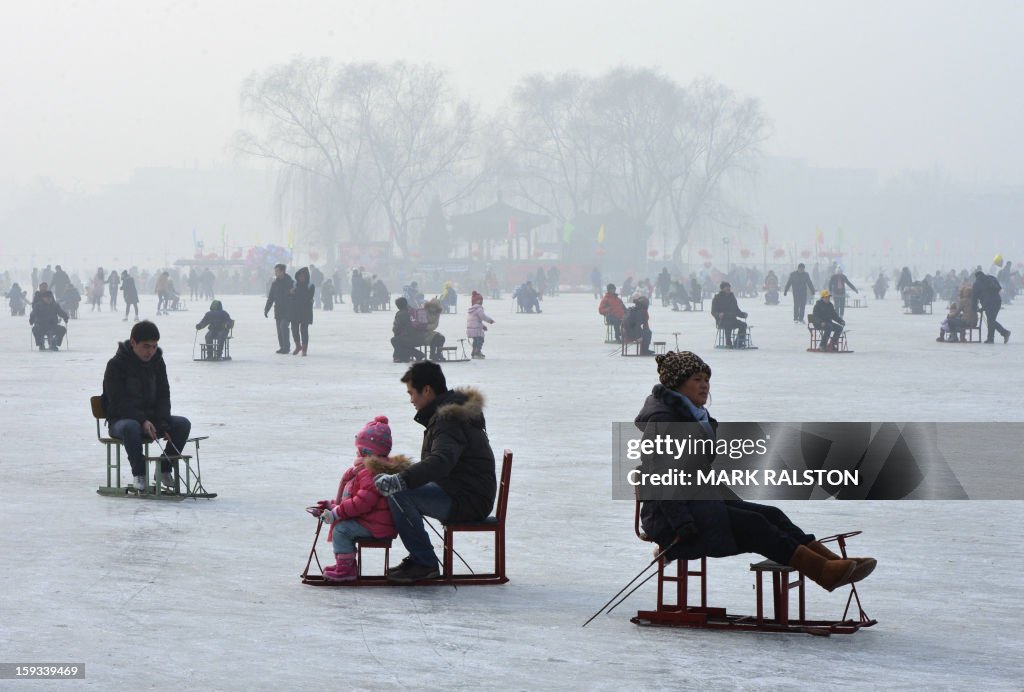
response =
{"points": [[511, 227]]}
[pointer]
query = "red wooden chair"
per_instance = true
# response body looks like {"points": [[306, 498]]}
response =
{"points": [[495, 524]]}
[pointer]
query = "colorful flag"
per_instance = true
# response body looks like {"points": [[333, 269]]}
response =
{"points": [[764, 235], [819, 236], [567, 230], [600, 235], [511, 227]]}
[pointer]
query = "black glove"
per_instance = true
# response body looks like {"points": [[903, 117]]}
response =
{"points": [[687, 533]]}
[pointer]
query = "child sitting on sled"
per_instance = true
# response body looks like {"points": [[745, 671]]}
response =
{"points": [[358, 510]]}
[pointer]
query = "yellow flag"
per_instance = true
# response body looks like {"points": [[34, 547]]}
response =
{"points": [[600, 234], [291, 238]]}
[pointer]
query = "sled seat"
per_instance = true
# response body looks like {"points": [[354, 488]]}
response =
{"points": [[722, 342], [976, 334], [495, 525], [815, 335]]}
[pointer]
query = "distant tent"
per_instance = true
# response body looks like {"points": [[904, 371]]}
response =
{"points": [[500, 221]]}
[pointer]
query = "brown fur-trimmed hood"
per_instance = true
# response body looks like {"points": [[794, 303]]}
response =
{"points": [[393, 464], [464, 405]]}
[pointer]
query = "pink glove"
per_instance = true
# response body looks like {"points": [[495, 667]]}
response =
{"points": [[329, 516]]}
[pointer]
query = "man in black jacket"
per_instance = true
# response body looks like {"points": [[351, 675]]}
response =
{"points": [[727, 314], [454, 480], [828, 321], [407, 338], [986, 292], [801, 284], [45, 320], [280, 297], [137, 401]]}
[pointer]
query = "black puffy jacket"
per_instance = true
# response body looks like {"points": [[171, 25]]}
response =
{"points": [[137, 390], [456, 454]]}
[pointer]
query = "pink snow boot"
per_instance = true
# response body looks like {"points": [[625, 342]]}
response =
{"points": [[343, 570]]}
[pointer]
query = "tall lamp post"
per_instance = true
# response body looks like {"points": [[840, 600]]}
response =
{"points": [[728, 255]]}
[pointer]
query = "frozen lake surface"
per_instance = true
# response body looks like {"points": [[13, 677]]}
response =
{"points": [[206, 594]]}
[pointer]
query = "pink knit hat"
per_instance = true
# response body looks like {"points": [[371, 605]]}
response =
{"points": [[375, 437], [476, 299]]}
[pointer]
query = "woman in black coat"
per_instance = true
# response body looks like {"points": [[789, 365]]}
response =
{"points": [[715, 526], [302, 310]]}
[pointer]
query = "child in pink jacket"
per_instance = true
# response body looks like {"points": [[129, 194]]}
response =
{"points": [[359, 511], [475, 326]]}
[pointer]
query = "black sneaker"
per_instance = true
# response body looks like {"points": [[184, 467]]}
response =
{"points": [[1006, 336], [412, 572]]}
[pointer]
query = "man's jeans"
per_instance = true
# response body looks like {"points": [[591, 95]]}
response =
{"points": [[283, 325], [407, 511], [129, 431]]}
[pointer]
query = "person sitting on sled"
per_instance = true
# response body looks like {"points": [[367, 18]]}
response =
{"points": [[718, 526], [218, 323], [359, 510]]}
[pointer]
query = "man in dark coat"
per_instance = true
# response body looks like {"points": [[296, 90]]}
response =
{"points": [[137, 401], [218, 323], [454, 480], [407, 338], [828, 321], [727, 314], [45, 320], [280, 297], [837, 284], [986, 292], [802, 287], [131, 295]]}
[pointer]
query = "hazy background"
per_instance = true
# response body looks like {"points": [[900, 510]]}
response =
{"points": [[117, 117]]}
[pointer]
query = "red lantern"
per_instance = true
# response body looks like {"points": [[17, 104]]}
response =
{"points": [[707, 265], [599, 251], [744, 253], [477, 253], [314, 255], [779, 253], [703, 252], [805, 253], [415, 253], [538, 253], [652, 253]]}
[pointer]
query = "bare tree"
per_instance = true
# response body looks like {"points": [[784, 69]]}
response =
{"points": [[554, 151], [420, 140], [312, 130], [720, 133]]}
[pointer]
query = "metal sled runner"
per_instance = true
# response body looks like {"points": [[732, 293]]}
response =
{"points": [[495, 525]]}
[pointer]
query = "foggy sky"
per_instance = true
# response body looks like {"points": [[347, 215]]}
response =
{"points": [[96, 89]]}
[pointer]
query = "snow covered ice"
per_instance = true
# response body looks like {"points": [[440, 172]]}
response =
{"points": [[207, 594]]}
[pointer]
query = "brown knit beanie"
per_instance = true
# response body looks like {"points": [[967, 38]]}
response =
{"points": [[676, 367]]}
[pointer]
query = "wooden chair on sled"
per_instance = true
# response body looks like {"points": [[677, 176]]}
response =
{"points": [[494, 524], [191, 485], [674, 610]]}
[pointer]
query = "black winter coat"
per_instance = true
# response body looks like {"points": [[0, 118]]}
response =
{"points": [[280, 296], [456, 454], [662, 519], [46, 316], [219, 321], [137, 390], [986, 291], [724, 305], [800, 282], [302, 303], [130, 291], [825, 312]]}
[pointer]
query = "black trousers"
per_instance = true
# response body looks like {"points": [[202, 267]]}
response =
{"points": [[799, 306], [765, 530]]}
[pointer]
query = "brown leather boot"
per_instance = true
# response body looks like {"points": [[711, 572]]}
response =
{"points": [[865, 565], [828, 574]]}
